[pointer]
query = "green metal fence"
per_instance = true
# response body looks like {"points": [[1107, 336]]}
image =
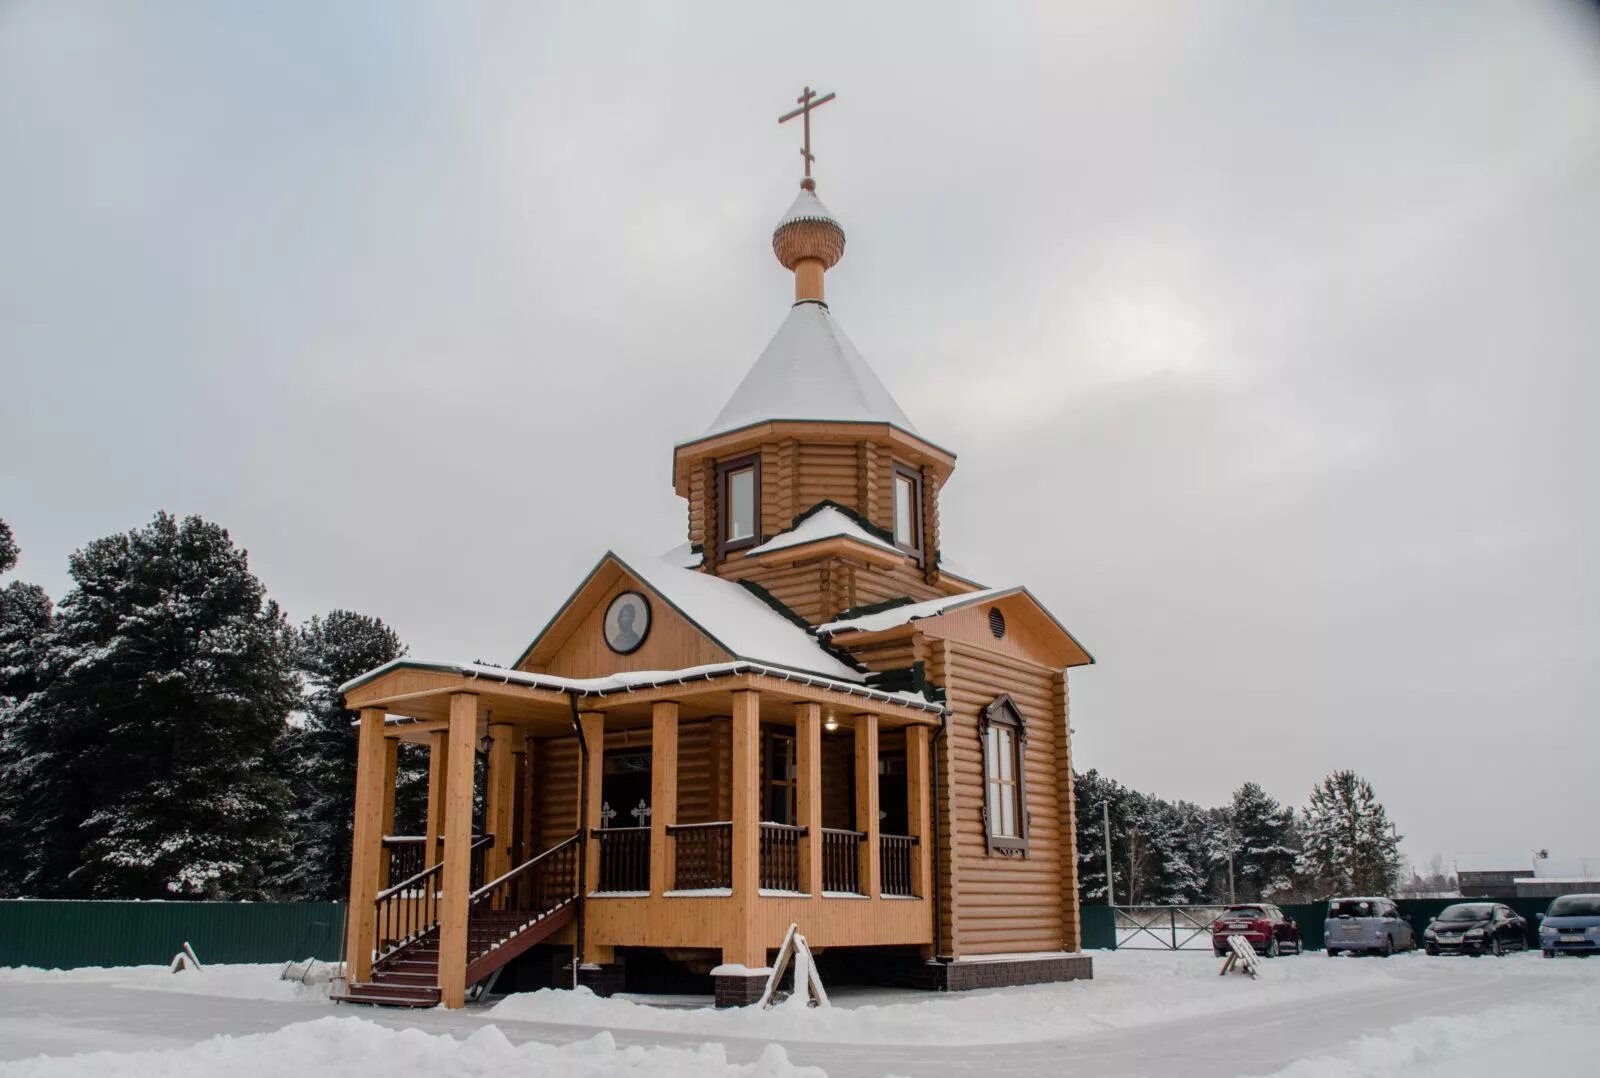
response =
{"points": [[66, 935], [1099, 923]]}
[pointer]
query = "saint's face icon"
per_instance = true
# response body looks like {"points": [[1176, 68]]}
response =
{"points": [[626, 638]]}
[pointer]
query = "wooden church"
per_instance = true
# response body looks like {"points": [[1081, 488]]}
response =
{"points": [[804, 715]]}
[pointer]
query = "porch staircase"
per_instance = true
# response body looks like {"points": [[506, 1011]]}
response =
{"points": [[506, 917]]}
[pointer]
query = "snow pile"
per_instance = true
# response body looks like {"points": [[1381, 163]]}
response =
{"points": [[239, 981], [356, 1048], [1563, 1037], [1129, 989]]}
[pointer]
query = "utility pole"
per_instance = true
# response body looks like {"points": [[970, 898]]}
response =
{"points": [[1105, 818], [1233, 895]]}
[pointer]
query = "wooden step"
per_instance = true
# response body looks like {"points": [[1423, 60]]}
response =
{"points": [[386, 995]]}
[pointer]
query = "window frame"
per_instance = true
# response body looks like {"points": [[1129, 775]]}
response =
{"points": [[784, 785], [1003, 712], [726, 469], [914, 475]]}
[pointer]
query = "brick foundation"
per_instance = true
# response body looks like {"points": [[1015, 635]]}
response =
{"points": [[601, 980], [739, 989], [892, 969]]}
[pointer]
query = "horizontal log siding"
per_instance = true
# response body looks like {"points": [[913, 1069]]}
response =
{"points": [[802, 588], [1006, 904], [703, 795], [827, 472], [838, 780], [555, 790], [880, 585], [697, 507]]}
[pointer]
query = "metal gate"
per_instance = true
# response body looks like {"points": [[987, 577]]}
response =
{"points": [[1163, 928]]}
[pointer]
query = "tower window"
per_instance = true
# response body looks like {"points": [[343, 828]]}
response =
{"points": [[908, 510], [738, 502]]}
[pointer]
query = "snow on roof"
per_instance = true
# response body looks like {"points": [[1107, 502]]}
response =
{"points": [[684, 556], [1593, 877], [737, 619], [825, 523], [641, 679], [807, 207], [810, 371], [900, 615]]}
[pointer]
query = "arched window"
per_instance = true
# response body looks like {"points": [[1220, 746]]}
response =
{"points": [[1004, 736]]}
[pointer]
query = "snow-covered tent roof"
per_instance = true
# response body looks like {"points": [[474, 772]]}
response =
{"points": [[825, 523], [810, 371], [732, 616]]}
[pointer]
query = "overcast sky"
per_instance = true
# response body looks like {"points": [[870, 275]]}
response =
{"points": [[1265, 334]]}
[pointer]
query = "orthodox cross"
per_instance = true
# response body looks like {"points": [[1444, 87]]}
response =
{"points": [[641, 812], [807, 101], [607, 814]]}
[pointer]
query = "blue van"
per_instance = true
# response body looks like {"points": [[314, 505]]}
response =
{"points": [[1571, 926]]}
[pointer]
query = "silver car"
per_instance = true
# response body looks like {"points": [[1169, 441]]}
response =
{"points": [[1366, 925]]}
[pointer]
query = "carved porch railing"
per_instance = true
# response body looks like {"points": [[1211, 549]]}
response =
{"points": [[897, 859], [702, 855], [780, 856], [841, 860], [624, 858]]}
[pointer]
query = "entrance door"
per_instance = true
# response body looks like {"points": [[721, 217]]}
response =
{"points": [[625, 789], [892, 803]]}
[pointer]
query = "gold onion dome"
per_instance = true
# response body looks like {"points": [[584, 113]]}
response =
{"points": [[808, 232]]}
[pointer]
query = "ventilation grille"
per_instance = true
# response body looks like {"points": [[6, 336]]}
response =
{"points": [[997, 622]]}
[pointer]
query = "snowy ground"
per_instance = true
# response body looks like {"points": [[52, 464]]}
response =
{"points": [[1145, 1014]]}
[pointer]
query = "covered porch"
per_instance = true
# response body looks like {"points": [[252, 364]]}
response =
{"points": [[697, 812]]}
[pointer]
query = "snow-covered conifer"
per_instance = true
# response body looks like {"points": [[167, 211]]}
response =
{"points": [[1349, 844], [147, 765], [321, 744], [1264, 842]]}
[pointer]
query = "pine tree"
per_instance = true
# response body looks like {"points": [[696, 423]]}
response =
{"points": [[8, 549], [24, 622], [1264, 842], [146, 753], [1349, 844], [322, 745]]}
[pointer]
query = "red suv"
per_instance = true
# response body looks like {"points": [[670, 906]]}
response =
{"points": [[1264, 925]]}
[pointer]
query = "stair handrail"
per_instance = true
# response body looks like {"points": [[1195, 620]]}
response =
{"points": [[438, 866], [407, 884], [528, 865]]}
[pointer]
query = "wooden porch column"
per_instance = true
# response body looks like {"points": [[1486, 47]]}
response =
{"points": [[438, 754], [456, 883], [867, 801], [530, 818], [594, 736], [663, 792], [919, 810], [500, 797], [808, 793], [366, 847], [744, 947], [391, 771]]}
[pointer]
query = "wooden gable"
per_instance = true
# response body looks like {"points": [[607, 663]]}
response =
{"points": [[574, 645], [1028, 631]]}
